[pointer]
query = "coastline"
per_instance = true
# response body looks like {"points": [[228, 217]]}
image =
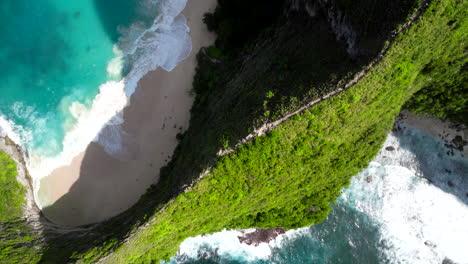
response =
{"points": [[30, 210], [96, 186], [454, 135]]}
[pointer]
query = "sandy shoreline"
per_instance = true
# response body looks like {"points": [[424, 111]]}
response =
{"points": [[97, 186]]}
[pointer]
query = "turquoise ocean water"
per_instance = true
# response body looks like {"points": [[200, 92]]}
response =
{"points": [[55, 53], [68, 69]]}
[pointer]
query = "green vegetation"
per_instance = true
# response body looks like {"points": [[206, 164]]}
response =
{"points": [[446, 95], [290, 176], [11, 191], [16, 238]]}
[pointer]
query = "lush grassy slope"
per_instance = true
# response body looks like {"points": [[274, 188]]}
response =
{"points": [[288, 177], [11, 191]]}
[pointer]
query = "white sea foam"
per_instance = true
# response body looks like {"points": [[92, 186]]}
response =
{"points": [[8, 128], [115, 66], [419, 222], [224, 243], [144, 48]]}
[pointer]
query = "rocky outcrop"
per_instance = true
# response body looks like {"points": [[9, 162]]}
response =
{"points": [[357, 23], [338, 20], [261, 236]]}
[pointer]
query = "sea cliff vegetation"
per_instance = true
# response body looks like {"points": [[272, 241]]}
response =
{"points": [[290, 176], [446, 96], [16, 236], [11, 191]]}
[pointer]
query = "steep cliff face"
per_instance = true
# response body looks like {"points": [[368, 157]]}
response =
{"points": [[339, 21], [363, 24]]}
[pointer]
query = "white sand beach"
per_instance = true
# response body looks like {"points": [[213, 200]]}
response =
{"points": [[97, 186]]}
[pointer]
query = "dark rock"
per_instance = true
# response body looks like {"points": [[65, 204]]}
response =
{"points": [[450, 184], [459, 143], [390, 148], [369, 179], [448, 171], [206, 255], [448, 261], [429, 243], [261, 236]]}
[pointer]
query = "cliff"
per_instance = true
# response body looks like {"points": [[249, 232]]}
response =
{"points": [[336, 73]]}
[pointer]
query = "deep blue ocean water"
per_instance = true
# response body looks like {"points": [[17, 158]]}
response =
{"points": [[55, 53]]}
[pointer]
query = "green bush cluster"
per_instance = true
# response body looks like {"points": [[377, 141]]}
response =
{"points": [[11, 191], [446, 95]]}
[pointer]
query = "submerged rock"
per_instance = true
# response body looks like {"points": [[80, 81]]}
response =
{"points": [[390, 148]]}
